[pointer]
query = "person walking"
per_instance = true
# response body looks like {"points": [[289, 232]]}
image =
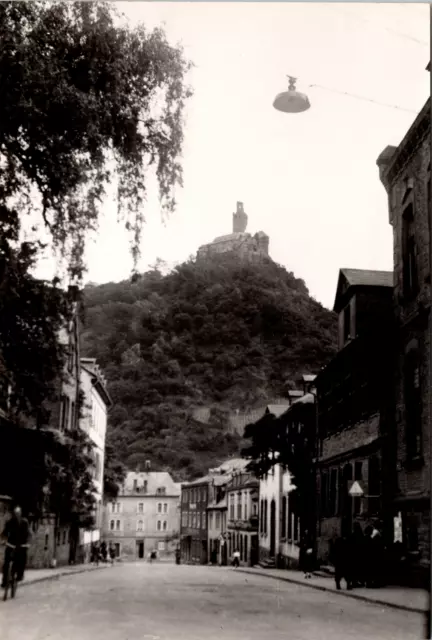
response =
{"points": [[112, 552], [357, 552], [340, 558], [236, 559], [306, 555], [104, 551]]}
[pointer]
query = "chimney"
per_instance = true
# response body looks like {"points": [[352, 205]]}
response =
{"points": [[383, 163], [147, 465], [138, 468]]}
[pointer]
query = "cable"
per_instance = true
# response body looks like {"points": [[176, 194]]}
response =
{"points": [[381, 26], [353, 95]]}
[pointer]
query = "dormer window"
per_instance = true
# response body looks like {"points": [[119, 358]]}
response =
{"points": [[161, 491]]}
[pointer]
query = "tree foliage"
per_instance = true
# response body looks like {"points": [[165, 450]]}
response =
{"points": [[221, 334]]}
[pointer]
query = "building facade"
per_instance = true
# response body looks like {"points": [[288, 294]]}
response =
{"points": [[354, 403], [217, 520], [243, 517], [405, 172], [145, 517], [93, 421], [194, 534]]}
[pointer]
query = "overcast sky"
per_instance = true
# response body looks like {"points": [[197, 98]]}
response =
{"points": [[308, 180]]}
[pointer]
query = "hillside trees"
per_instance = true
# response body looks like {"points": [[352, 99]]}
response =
{"points": [[220, 334]]}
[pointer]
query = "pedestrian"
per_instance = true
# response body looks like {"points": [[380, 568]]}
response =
{"points": [[340, 557], [369, 549], [177, 556], [16, 535], [357, 551], [112, 552], [104, 551], [306, 554], [377, 558], [236, 559]]}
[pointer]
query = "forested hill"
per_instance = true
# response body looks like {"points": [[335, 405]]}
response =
{"points": [[220, 334]]}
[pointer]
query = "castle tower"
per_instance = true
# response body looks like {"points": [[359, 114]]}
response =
{"points": [[240, 219]]}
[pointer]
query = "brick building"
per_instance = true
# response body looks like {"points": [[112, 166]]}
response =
{"points": [[354, 403], [406, 175], [145, 516]]}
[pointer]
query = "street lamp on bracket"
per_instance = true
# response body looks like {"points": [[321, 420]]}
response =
{"points": [[291, 101]]}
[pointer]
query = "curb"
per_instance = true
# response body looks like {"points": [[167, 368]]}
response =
{"points": [[347, 594], [56, 576]]}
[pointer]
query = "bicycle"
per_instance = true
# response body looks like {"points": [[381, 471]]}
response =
{"points": [[11, 577]]}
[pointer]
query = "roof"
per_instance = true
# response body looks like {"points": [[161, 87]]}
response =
{"points": [[361, 278], [155, 480], [277, 409], [308, 398], [222, 504]]}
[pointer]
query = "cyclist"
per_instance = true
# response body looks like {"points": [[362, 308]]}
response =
{"points": [[16, 536]]}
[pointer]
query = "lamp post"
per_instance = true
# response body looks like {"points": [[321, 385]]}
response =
{"points": [[291, 101]]}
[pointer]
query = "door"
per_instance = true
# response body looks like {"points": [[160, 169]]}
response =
{"points": [[140, 549], [272, 529], [254, 551]]}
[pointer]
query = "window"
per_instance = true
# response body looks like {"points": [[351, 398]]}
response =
{"points": [[135, 485], [284, 517], [413, 405], [145, 485], [159, 525], [198, 520], [190, 519], [160, 491], [374, 485], [159, 507], [333, 493], [358, 475], [409, 257], [231, 499], [239, 506], [117, 525], [165, 507], [161, 546], [245, 505], [164, 527], [139, 525], [218, 520], [112, 525], [347, 323], [210, 518], [115, 507], [194, 520], [140, 507]]}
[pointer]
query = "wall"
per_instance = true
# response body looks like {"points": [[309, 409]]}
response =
{"points": [[357, 435], [129, 516]]}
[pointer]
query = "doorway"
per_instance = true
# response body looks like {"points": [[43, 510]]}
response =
{"points": [[140, 549], [272, 529]]}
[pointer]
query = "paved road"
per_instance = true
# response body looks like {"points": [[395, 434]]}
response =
{"points": [[169, 602]]}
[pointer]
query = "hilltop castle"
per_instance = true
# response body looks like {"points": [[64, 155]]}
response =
{"points": [[246, 246]]}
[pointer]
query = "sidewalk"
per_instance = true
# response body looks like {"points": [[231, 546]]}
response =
{"points": [[407, 599], [40, 575]]}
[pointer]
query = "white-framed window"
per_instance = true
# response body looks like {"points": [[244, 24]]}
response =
{"points": [[161, 546], [159, 525], [218, 520], [165, 507], [161, 491], [112, 525], [115, 507], [140, 507], [159, 507], [139, 525], [190, 519], [117, 525], [184, 519], [164, 527]]}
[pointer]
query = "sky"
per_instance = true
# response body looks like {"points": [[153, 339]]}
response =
{"points": [[309, 180]]}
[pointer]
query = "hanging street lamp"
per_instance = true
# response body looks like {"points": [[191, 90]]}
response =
{"points": [[291, 101]]}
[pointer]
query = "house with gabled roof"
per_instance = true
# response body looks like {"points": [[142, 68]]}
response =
{"points": [[354, 405]]}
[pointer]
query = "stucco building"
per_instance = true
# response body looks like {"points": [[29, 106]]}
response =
{"points": [[145, 516], [94, 421], [405, 172], [242, 517]]}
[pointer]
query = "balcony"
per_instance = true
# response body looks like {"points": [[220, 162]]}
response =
{"points": [[251, 524]]}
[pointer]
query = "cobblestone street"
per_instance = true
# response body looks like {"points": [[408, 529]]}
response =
{"points": [[169, 602]]}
